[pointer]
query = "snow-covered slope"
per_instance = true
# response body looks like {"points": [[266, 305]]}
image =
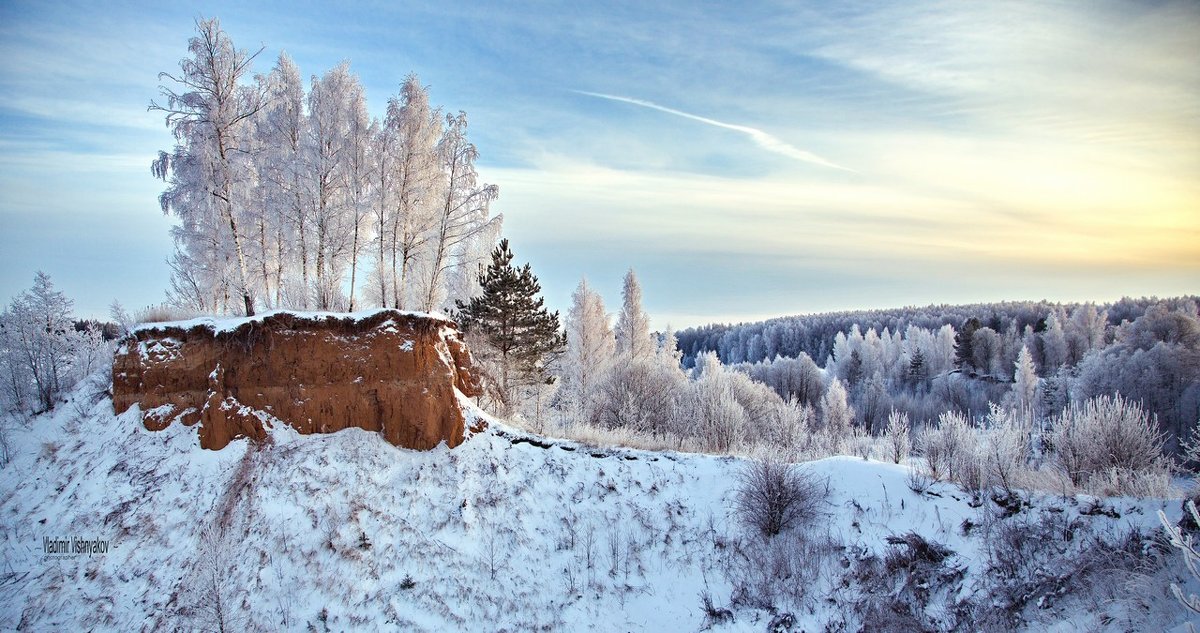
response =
{"points": [[507, 532]]}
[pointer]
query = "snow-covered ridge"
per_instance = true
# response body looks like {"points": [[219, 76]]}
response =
{"points": [[222, 325], [509, 531]]}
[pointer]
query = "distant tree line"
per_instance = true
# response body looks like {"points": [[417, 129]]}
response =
{"points": [[814, 334], [926, 361]]}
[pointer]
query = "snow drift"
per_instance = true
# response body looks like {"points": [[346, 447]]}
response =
{"points": [[400, 374]]}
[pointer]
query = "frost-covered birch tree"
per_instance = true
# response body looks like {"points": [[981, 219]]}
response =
{"points": [[281, 131], [1054, 344], [326, 158], [668, 353], [836, 412], [633, 324], [462, 217], [408, 177], [360, 131], [283, 192], [590, 352], [210, 113]]}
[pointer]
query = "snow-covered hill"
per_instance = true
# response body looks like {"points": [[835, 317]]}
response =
{"points": [[512, 532]]}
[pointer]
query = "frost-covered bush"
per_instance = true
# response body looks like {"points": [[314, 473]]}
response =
{"points": [[773, 496], [726, 409], [717, 410], [996, 455], [1006, 449], [950, 449], [1108, 442], [638, 395], [1191, 557], [788, 424], [720, 418]]}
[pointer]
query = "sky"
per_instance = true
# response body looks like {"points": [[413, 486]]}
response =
{"points": [[746, 161]]}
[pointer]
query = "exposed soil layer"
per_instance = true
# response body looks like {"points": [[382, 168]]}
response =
{"points": [[392, 372]]}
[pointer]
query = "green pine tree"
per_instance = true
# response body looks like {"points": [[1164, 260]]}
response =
{"points": [[964, 349], [513, 333], [854, 369], [917, 372]]}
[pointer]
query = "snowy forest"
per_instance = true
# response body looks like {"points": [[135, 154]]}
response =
{"points": [[925, 361], [1034, 373]]}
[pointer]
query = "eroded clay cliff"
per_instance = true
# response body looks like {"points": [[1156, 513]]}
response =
{"points": [[392, 372]]}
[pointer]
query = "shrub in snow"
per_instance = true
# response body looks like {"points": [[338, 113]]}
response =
{"points": [[781, 623], [1006, 446], [160, 313], [1107, 441], [861, 443], [918, 480], [639, 395], [712, 613], [1037, 560], [207, 600], [912, 551], [1191, 557], [778, 572], [950, 450], [773, 496], [912, 589]]}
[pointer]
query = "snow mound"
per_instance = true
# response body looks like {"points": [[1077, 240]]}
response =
{"points": [[510, 531]]}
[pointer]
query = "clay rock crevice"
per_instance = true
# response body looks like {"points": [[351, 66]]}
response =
{"points": [[400, 374]]}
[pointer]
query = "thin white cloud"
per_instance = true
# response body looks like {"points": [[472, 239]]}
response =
{"points": [[1095, 73], [760, 138]]}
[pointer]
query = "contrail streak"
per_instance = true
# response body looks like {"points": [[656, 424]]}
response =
{"points": [[760, 138]]}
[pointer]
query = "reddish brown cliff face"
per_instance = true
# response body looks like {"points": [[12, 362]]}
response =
{"points": [[391, 372]]}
